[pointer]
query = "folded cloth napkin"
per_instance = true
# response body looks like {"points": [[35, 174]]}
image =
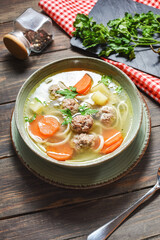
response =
{"points": [[64, 12]]}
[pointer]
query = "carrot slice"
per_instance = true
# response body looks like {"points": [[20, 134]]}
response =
{"points": [[84, 84], [112, 147], [115, 138], [44, 127], [108, 133], [88, 89], [60, 152], [48, 126], [112, 140]]}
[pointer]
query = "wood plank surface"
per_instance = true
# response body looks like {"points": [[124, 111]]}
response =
{"points": [[61, 41], [14, 73], [11, 9], [71, 221], [29, 194], [32, 209], [17, 198]]}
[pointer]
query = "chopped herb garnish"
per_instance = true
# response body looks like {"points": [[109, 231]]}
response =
{"points": [[106, 80], [73, 89], [27, 119], [68, 93], [84, 110], [67, 116], [121, 35], [38, 100], [118, 89]]}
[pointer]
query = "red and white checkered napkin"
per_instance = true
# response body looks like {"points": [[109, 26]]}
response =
{"points": [[64, 12]]}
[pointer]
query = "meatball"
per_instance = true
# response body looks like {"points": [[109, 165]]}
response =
{"points": [[70, 104], [82, 123], [83, 141], [52, 91], [108, 115]]}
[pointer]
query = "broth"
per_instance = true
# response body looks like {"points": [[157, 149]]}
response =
{"points": [[70, 112]]}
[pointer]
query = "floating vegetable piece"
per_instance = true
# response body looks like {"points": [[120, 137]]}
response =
{"points": [[36, 106], [84, 110], [27, 119], [48, 126], [67, 116], [99, 98], [101, 88], [106, 80], [84, 84], [68, 93], [44, 127], [60, 152], [112, 140]]}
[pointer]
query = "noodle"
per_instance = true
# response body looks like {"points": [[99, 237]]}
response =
{"points": [[100, 145], [122, 104], [65, 132], [41, 147], [62, 85], [35, 138], [59, 143], [82, 98]]}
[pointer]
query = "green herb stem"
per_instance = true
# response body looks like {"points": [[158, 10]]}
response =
{"points": [[120, 34]]}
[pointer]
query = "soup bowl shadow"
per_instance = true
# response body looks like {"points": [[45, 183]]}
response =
{"points": [[85, 63]]}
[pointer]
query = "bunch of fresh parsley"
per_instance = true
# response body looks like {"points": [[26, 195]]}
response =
{"points": [[122, 35]]}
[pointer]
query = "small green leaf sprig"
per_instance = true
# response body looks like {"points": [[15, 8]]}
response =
{"points": [[83, 109], [30, 120], [106, 80], [68, 93]]}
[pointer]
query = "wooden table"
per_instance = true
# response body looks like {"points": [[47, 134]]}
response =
{"points": [[32, 209]]}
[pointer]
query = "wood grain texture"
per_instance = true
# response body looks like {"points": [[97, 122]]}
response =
{"points": [[14, 72], [61, 41], [32, 209], [29, 194], [71, 221], [6, 148], [11, 9]]}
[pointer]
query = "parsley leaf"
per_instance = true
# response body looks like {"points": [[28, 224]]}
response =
{"points": [[106, 80], [67, 116], [119, 89], [38, 100], [72, 93], [84, 110], [27, 119], [120, 36]]}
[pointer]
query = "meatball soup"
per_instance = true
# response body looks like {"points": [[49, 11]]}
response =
{"points": [[77, 115]]}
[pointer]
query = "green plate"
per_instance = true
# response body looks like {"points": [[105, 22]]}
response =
{"points": [[89, 177]]}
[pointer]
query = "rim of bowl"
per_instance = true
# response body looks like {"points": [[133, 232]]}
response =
{"points": [[30, 143]]}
